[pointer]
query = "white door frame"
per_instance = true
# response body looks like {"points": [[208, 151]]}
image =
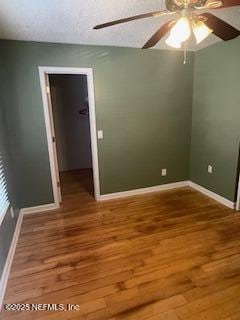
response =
{"points": [[238, 196], [47, 107]]}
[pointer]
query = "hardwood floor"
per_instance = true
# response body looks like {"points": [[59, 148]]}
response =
{"points": [[172, 255]]}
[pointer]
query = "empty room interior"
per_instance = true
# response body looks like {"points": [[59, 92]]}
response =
{"points": [[120, 160]]}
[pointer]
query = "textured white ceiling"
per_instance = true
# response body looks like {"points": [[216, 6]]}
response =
{"points": [[71, 21]]}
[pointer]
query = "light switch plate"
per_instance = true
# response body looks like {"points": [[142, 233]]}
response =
{"points": [[100, 134], [210, 169], [164, 172]]}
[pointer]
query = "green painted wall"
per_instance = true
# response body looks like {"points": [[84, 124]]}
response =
{"points": [[216, 118], [143, 104]]}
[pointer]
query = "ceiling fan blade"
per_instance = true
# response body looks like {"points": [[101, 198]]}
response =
{"points": [[230, 3], [137, 17], [220, 28], [159, 34]]}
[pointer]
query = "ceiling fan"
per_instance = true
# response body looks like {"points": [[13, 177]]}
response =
{"points": [[188, 20]]}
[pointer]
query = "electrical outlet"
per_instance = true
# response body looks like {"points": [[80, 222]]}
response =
{"points": [[210, 169], [100, 134], [164, 172]]}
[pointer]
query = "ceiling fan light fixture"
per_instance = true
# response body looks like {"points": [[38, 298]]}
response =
{"points": [[179, 33], [182, 29], [201, 31], [173, 42]]}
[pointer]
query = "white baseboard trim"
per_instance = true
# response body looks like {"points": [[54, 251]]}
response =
{"points": [[135, 192], [212, 195], [8, 263], [42, 208], [169, 186]]}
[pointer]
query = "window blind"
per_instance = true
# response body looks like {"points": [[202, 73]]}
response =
{"points": [[4, 202]]}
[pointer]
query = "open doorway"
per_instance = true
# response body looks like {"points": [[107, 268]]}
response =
{"points": [[69, 110]]}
